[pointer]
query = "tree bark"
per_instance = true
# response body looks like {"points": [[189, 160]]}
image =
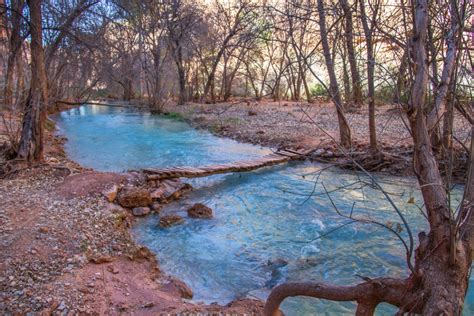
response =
{"points": [[32, 136], [401, 81], [453, 40], [344, 129], [178, 57], [368, 31], [349, 41]]}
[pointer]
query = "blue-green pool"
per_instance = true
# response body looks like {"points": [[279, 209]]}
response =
{"points": [[261, 218]]}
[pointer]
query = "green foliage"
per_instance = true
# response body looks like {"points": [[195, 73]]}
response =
{"points": [[384, 93], [318, 90], [174, 116]]}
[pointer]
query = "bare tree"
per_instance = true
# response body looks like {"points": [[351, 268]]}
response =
{"points": [[32, 136], [351, 55], [439, 276], [344, 129], [369, 28]]}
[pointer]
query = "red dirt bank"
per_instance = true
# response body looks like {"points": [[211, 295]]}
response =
{"points": [[65, 250]]}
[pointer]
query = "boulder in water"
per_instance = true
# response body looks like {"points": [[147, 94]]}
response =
{"points": [[170, 220], [131, 197], [200, 210]]}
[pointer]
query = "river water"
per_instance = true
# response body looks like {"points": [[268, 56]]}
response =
{"points": [[269, 226]]}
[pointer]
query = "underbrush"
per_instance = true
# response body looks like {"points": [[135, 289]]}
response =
{"points": [[174, 116]]}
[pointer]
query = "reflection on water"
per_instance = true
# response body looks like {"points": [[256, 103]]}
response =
{"points": [[265, 227]]}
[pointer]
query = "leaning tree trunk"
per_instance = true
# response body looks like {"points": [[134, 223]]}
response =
{"points": [[439, 278], [344, 129], [32, 135]]}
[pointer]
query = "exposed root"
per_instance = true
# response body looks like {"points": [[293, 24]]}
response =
{"points": [[11, 168], [367, 294]]}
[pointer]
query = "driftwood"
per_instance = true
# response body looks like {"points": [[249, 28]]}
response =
{"points": [[278, 157]]}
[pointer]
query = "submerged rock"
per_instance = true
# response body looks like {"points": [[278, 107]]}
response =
{"points": [[200, 210], [170, 220], [277, 263], [141, 211], [134, 197]]}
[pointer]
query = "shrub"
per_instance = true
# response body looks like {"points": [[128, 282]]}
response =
{"points": [[318, 90], [174, 116]]}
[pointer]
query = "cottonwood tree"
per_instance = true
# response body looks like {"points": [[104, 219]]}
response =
{"points": [[69, 31], [348, 9], [439, 275], [369, 23], [183, 18], [32, 136], [235, 25], [344, 129]]}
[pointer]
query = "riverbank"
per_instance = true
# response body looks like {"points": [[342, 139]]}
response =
{"points": [[314, 126], [65, 249]]}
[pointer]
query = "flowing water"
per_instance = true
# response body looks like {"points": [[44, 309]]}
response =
{"points": [[269, 225]]}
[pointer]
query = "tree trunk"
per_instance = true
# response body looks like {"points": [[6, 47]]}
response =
{"points": [[14, 49], [452, 42], [368, 30], [448, 123], [438, 281], [401, 81], [344, 129], [32, 136], [349, 41], [127, 85], [230, 79], [345, 79]]}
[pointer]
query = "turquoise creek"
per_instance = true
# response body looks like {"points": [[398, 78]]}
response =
{"points": [[269, 226]]}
